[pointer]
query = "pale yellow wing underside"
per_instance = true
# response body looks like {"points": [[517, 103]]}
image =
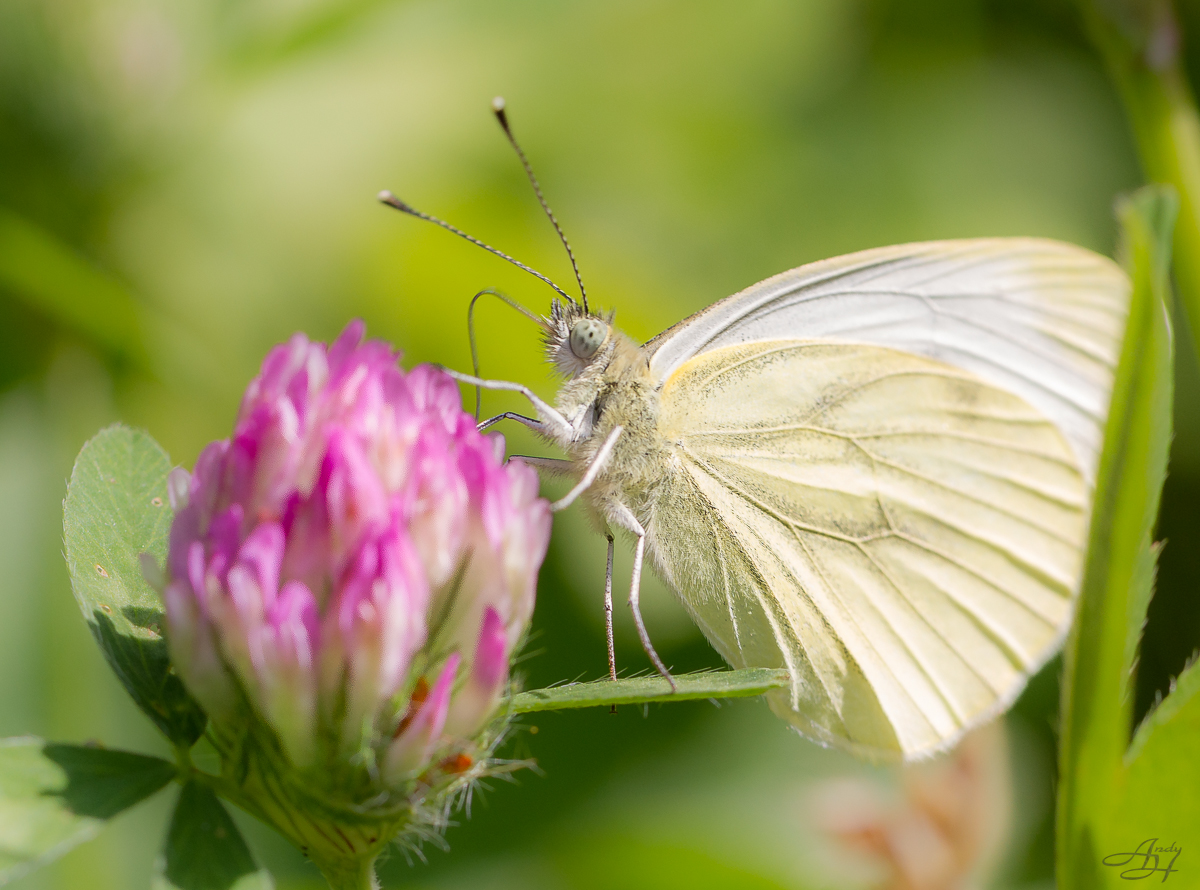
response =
{"points": [[904, 537]]}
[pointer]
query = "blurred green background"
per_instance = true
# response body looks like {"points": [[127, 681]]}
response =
{"points": [[184, 184]]}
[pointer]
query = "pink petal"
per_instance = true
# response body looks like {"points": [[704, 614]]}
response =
{"points": [[490, 665], [413, 748]]}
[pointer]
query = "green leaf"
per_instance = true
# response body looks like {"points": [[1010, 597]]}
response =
{"points": [[1156, 799], [638, 690], [205, 850], [1119, 574], [116, 509], [53, 797], [1155, 819]]}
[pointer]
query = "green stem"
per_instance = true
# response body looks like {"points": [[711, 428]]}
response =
{"points": [[641, 690], [183, 759], [350, 874], [1140, 41], [343, 872]]}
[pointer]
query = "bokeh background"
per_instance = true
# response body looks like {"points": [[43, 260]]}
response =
{"points": [[185, 183]]}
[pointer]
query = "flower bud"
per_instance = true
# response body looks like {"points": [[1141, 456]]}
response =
{"points": [[348, 577]]}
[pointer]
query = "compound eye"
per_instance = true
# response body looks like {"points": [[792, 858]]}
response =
{"points": [[587, 337]]}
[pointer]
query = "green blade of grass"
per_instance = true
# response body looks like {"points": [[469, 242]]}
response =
{"points": [[1119, 574]]}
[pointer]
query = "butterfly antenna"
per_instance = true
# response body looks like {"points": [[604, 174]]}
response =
{"points": [[391, 200], [502, 116]]}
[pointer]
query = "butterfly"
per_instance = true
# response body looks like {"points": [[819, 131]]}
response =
{"points": [[874, 471]]}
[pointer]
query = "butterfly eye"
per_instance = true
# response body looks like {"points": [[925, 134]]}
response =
{"points": [[587, 336]]}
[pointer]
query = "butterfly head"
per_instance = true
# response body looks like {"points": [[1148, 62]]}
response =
{"points": [[577, 339]]}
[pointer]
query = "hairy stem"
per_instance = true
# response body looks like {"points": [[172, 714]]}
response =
{"points": [[641, 690], [350, 874]]}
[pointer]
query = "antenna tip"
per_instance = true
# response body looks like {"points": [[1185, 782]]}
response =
{"points": [[391, 200], [498, 110]]}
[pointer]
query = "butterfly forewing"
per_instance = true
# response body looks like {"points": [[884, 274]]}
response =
{"points": [[1040, 318], [902, 535]]}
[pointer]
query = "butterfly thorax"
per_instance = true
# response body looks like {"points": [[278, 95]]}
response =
{"points": [[613, 388]]}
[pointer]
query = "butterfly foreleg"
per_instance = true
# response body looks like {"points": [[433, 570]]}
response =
{"points": [[554, 465], [593, 470], [552, 422], [626, 518], [536, 425]]}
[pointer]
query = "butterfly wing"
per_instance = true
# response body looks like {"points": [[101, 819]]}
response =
{"points": [[1039, 318], [905, 537]]}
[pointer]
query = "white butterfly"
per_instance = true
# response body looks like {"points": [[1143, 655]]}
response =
{"points": [[875, 471]]}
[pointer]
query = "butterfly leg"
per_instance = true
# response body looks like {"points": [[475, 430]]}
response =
{"points": [[536, 425], [552, 465], [635, 588], [608, 626], [590, 474], [552, 421]]}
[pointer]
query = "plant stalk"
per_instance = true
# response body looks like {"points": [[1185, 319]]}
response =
{"points": [[643, 690], [1140, 41], [350, 874]]}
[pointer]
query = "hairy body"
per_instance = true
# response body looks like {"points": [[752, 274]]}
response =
{"points": [[619, 391]]}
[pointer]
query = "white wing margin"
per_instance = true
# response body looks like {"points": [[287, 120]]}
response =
{"points": [[1039, 318]]}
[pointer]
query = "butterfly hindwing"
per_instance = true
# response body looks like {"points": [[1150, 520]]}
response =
{"points": [[902, 535]]}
